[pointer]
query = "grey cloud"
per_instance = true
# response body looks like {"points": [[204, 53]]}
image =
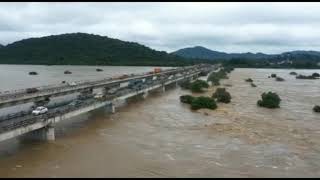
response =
{"points": [[231, 27]]}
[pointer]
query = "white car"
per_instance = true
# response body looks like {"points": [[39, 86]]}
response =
{"points": [[99, 95], [40, 110], [72, 84]]}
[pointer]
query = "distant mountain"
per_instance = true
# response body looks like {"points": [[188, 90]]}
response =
{"points": [[84, 49], [1, 46], [201, 53], [205, 53]]}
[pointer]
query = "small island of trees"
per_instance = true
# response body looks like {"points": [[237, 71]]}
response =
{"points": [[316, 109], [269, 100], [221, 95], [33, 73], [199, 102]]}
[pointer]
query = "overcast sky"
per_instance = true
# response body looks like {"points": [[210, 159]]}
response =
{"points": [[230, 27]]}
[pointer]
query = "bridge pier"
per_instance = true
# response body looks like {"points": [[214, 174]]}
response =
{"points": [[113, 108], [163, 88], [145, 94], [43, 134]]}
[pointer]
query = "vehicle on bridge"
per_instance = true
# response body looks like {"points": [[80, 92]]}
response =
{"points": [[40, 110], [98, 95], [32, 90], [85, 96], [135, 82], [75, 103], [72, 84]]}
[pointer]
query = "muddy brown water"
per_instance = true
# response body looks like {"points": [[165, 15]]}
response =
{"points": [[160, 137]]}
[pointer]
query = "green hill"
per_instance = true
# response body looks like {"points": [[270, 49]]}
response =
{"points": [[85, 49]]}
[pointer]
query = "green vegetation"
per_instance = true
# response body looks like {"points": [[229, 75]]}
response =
{"points": [[273, 75], [293, 73], [87, 49], [279, 79], [215, 77], [316, 108], [228, 69], [198, 85], [186, 99], [33, 73], [305, 77], [203, 102], [221, 95], [249, 80], [199, 102], [67, 72], [269, 100], [316, 75], [253, 85]]}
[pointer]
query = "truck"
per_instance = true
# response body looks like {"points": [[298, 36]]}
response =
{"points": [[32, 90], [157, 70]]}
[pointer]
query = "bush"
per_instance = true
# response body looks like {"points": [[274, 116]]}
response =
{"points": [[186, 99], [185, 84], [33, 73], [203, 102], [269, 100], [228, 69], [279, 79], [305, 77], [316, 75], [316, 108], [221, 95], [215, 77], [249, 80], [273, 75], [293, 73], [253, 85], [214, 80], [198, 85]]}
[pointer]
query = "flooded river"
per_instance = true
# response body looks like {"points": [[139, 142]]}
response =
{"points": [[160, 137]]}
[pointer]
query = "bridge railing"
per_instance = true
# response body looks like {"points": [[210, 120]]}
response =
{"points": [[46, 88], [19, 119]]}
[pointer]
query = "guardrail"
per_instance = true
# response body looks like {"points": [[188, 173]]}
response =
{"points": [[64, 88]]}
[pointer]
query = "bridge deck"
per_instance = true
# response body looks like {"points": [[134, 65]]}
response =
{"points": [[25, 122]]}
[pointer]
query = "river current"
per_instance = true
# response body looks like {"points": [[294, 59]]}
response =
{"points": [[160, 137]]}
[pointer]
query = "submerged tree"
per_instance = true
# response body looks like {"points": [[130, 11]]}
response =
{"points": [[203, 102], [269, 100], [273, 75], [316, 108], [249, 80], [186, 99], [279, 79], [198, 85], [221, 95]]}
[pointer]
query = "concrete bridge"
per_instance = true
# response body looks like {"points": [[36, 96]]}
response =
{"points": [[113, 90]]}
